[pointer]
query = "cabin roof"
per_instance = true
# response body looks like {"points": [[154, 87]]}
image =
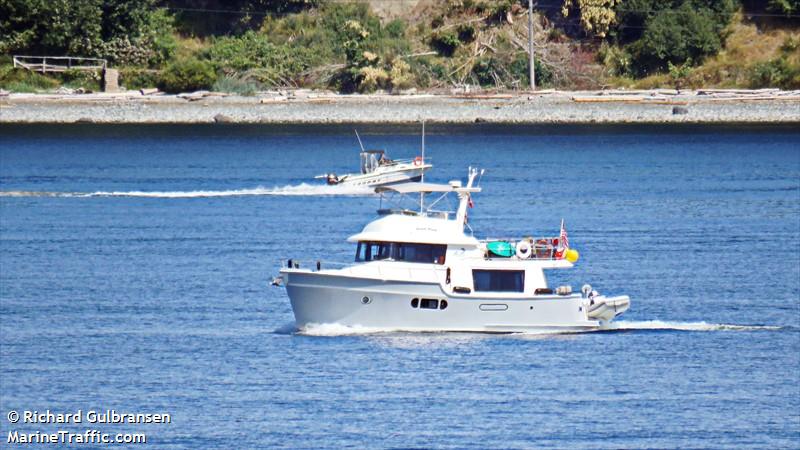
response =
{"points": [[415, 229], [425, 188]]}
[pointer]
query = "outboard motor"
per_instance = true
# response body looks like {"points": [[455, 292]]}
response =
{"points": [[332, 178]]}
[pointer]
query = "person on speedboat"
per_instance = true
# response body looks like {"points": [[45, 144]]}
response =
{"points": [[384, 161]]}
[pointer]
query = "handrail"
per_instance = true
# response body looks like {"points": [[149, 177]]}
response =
{"points": [[404, 161], [42, 65], [538, 250], [304, 263], [533, 239]]}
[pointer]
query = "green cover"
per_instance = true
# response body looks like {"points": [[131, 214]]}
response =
{"points": [[501, 248]]}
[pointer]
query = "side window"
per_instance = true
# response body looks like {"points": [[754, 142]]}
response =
{"points": [[371, 251], [421, 253], [498, 280], [438, 253], [382, 250]]}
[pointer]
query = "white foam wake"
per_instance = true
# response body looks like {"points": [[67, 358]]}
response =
{"points": [[332, 329], [302, 189], [682, 326]]}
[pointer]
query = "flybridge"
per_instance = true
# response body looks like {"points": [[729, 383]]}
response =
{"points": [[404, 189]]}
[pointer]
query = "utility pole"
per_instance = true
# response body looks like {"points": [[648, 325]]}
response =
{"points": [[532, 75]]}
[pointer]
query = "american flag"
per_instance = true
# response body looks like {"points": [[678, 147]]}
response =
{"points": [[563, 242]]}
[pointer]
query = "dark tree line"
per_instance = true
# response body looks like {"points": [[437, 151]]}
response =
{"points": [[126, 31]]}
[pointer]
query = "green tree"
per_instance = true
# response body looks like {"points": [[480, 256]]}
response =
{"points": [[51, 27], [125, 31], [596, 16], [788, 7], [672, 31], [223, 17]]}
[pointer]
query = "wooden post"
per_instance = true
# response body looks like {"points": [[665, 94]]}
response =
{"points": [[530, 45], [110, 80]]}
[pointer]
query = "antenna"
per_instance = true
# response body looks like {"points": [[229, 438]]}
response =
{"points": [[359, 140], [422, 169], [423, 151]]}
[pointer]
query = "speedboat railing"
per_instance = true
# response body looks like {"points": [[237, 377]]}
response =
{"points": [[392, 162]]}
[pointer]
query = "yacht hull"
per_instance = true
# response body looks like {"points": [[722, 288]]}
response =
{"points": [[319, 298]]}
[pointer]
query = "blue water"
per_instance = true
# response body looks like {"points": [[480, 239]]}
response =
{"points": [[134, 269]]}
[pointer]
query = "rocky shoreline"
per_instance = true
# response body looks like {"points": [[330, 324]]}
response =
{"points": [[296, 107]]}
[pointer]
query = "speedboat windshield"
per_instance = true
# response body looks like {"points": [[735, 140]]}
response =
{"points": [[370, 160]]}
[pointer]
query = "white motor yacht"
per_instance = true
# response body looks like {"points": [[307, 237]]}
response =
{"points": [[423, 270]]}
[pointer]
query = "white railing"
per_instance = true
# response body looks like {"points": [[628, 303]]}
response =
{"points": [[318, 264], [541, 247], [46, 64]]}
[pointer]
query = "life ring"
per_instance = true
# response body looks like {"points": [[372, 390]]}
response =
{"points": [[542, 249], [523, 249], [418, 161]]}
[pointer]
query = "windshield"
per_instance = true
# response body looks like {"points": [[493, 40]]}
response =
{"points": [[370, 161], [401, 251]]}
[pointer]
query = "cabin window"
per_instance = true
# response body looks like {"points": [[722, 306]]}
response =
{"points": [[421, 253], [498, 280], [429, 303], [401, 251], [373, 251]]}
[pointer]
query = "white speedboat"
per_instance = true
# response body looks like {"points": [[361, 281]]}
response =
{"points": [[378, 170], [418, 270]]}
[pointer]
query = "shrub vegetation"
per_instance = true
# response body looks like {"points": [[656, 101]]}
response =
{"points": [[243, 46], [190, 74]]}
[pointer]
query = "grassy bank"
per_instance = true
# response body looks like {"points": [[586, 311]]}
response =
{"points": [[435, 46]]}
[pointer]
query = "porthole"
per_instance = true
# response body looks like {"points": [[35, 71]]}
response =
{"points": [[366, 300], [429, 303], [414, 302], [443, 304]]}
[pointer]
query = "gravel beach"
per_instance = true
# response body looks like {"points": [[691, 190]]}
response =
{"points": [[289, 107]]}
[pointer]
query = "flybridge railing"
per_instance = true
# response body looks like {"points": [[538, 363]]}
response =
{"points": [[46, 64], [538, 247], [408, 212]]}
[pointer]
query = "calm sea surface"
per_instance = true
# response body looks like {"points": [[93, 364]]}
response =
{"points": [[134, 269]]}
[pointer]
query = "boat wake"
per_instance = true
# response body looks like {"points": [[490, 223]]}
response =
{"points": [[302, 189], [332, 330], [623, 325]]}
